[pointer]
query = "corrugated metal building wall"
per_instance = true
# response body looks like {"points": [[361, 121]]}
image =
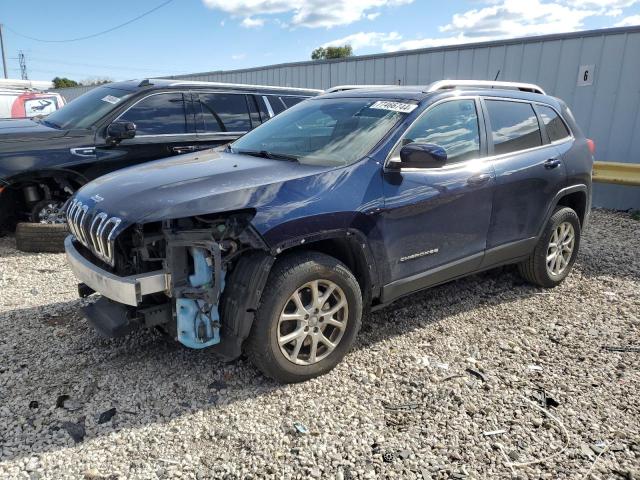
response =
{"points": [[606, 104]]}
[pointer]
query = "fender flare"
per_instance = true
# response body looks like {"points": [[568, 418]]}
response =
{"points": [[355, 237], [554, 203]]}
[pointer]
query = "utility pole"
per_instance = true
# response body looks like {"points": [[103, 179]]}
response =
{"points": [[23, 66], [4, 58]]}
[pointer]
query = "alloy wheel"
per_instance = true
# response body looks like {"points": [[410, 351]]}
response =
{"points": [[560, 248], [50, 212], [312, 322]]}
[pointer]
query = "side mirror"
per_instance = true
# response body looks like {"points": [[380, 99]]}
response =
{"points": [[121, 131], [422, 155]]}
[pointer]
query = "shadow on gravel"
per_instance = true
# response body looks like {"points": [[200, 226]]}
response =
{"points": [[51, 351], [8, 249]]}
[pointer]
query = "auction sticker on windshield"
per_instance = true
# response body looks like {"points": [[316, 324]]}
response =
{"points": [[394, 106], [111, 99]]}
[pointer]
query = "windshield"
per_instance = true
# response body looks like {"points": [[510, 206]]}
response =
{"points": [[336, 131], [85, 110]]}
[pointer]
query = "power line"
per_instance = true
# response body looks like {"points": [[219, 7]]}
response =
{"points": [[93, 34], [94, 65]]}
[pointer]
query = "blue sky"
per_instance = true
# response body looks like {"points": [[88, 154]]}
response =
{"points": [[189, 36]]}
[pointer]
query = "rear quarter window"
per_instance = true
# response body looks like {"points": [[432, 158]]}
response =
{"points": [[553, 123], [514, 126]]}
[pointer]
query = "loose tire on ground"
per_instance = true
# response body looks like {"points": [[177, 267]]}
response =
{"points": [[41, 237], [300, 274], [535, 269]]}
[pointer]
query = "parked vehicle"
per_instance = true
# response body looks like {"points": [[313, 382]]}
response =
{"points": [[277, 245], [43, 161], [27, 98]]}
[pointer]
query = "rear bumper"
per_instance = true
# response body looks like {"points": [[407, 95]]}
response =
{"points": [[126, 290]]}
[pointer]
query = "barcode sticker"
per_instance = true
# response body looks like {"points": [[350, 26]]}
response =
{"points": [[394, 106], [111, 99]]}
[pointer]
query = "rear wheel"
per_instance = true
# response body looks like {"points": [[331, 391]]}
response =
{"points": [[308, 319], [556, 251]]}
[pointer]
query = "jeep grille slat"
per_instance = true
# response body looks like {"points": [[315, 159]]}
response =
{"points": [[98, 234]]}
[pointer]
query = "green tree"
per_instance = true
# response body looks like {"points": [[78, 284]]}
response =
{"points": [[96, 81], [64, 82], [327, 53]]}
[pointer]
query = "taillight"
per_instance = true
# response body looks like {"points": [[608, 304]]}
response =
{"points": [[592, 146]]}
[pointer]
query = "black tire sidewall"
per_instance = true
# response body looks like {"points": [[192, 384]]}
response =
{"points": [[564, 214], [41, 237], [284, 280]]}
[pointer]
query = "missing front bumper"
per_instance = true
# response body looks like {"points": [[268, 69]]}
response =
{"points": [[125, 290]]}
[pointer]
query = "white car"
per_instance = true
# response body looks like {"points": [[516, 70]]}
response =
{"points": [[26, 99]]}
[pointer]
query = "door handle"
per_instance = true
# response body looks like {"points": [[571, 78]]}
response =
{"points": [[184, 149], [552, 163], [479, 179]]}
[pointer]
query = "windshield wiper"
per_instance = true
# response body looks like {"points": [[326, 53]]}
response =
{"points": [[269, 155], [48, 123]]}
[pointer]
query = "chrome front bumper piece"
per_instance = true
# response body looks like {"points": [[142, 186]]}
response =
{"points": [[126, 290]]}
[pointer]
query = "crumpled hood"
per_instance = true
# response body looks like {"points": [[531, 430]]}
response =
{"points": [[188, 185], [26, 129]]}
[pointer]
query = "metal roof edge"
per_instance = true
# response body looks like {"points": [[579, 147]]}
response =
{"points": [[461, 46]]}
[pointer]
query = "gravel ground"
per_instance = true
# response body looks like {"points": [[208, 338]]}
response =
{"points": [[440, 385]]}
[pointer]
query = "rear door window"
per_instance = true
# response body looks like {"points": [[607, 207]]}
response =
{"points": [[254, 112], [291, 101], [160, 114], [223, 112], [514, 126], [555, 126], [276, 104]]}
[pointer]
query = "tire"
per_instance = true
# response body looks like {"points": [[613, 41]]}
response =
{"points": [[41, 237], [535, 269], [291, 275]]}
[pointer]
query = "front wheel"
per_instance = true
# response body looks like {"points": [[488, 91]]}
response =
{"points": [[50, 212], [556, 251], [308, 319]]}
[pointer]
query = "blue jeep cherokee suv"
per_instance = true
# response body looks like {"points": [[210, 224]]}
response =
{"points": [[347, 201]]}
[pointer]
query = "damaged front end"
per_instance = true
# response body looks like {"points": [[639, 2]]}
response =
{"points": [[198, 279]]}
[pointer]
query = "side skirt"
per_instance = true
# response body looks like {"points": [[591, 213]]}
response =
{"points": [[512, 252]]}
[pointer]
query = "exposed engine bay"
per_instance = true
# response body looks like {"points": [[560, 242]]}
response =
{"points": [[200, 257]]}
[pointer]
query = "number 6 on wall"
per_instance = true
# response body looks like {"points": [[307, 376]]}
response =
{"points": [[585, 75]]}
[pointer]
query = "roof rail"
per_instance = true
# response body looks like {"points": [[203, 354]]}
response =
{"points": [[242, 85], [447, 84], [342, 88]]}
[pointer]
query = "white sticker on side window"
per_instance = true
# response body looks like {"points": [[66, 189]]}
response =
{"points": [[394, 106], [111, 99]]}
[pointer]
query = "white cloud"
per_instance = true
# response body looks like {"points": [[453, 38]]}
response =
{"points": [[629, 21], [362, 40], [373, 16], [607, 4], [307, 13], [501, 19], [239, 56], [515, 18], [251, 22]]}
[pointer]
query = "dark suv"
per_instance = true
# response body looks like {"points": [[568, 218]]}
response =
{"points": [[277, 245], [43, 161]]}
